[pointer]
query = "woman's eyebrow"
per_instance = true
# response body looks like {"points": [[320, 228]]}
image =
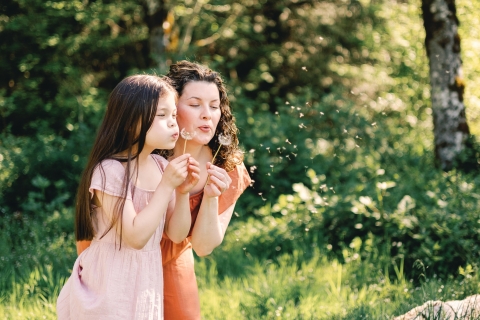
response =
{"points": [[214, 100]]}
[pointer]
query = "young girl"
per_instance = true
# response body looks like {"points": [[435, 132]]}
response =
{"points": [[126, 197], [203, 112]]}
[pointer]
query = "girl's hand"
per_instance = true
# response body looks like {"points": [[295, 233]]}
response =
{"points": [[218, 183], [176, 171], [192, 177]]}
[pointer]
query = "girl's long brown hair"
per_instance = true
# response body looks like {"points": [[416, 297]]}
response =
{"points": [[184, 72], [131, 109]]}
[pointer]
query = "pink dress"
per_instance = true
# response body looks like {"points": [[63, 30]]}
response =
{"points": [[108, 283]]}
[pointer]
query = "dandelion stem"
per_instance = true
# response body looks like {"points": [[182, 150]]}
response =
{"points": [[185, 146], [213, 159]]}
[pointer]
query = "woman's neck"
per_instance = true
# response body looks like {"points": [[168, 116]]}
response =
{"points": [[197, 151]]}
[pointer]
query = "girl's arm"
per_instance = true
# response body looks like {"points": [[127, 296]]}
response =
{"points": [[178, 224], [138, 227]]}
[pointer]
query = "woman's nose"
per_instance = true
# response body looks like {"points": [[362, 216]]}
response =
{"points": [[206, 113]]}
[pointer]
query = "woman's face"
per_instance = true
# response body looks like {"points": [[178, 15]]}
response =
{"points": [[198, 110]]}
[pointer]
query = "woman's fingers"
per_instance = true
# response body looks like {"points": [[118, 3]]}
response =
{"points": [[218, 183], [220, 174]]}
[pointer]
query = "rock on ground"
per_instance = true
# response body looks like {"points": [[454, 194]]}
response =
{"points": [[469, 308]]}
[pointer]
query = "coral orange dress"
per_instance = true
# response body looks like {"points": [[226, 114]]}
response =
{"points": [[181, 300]]}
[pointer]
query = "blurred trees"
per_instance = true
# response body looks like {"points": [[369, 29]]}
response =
{"points": [[281, 58]]}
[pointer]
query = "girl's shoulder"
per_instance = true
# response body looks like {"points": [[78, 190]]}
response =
{"points": [[108, 176], [160, 160], [109, 168]]}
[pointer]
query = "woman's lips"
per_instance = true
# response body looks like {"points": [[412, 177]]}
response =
{"points": [[175, 136], [204, 128]]}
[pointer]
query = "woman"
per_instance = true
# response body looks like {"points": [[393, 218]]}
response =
{"points": [[203, 112]]}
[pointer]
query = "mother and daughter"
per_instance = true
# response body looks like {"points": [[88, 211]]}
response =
{"points": [[150, 195]]}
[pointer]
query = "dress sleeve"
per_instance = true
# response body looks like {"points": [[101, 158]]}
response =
{"points": [[240, 181], [108, 177]]}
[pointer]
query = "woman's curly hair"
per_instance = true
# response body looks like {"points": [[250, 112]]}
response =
{"points": [[184, 72]]}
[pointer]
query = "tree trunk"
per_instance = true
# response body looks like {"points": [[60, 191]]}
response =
{"points": [[155, 16], [443, 49]]}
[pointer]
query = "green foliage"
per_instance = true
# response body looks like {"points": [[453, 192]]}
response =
{"points": [[347, 218]]}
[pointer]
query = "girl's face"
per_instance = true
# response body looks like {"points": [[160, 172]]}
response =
{"points": [[199, 110], [163, 132]]}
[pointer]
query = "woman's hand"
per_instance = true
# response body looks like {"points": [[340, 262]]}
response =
{"points": [[192, 177], [218, 182]]}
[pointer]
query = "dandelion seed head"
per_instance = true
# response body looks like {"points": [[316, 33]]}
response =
{"points": [[187, 135], [224, 139]]}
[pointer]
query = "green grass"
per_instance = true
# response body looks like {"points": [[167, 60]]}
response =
{"points": [[291, 287]]}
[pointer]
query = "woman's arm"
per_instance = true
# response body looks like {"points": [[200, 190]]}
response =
{"points": [[209, 231], [219, 196]]}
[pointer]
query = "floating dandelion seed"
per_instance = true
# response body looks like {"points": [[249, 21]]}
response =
{"points": [[301, 114], [288, 141], [320, 38], [272, 187], [298, 108], [321, 113], [286, 102], [276, 112], [223, 140], [186, 136], [268, 149], [374, 124], [251, 150], [304, 68]]}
